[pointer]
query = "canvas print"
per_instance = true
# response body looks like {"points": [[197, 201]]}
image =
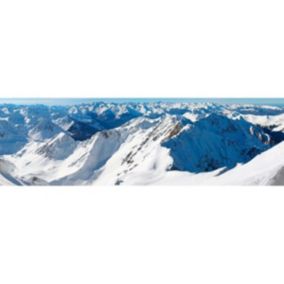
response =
{"points": [[132, 141]]}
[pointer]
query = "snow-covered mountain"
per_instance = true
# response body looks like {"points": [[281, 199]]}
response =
{"points": [[141, 143]]}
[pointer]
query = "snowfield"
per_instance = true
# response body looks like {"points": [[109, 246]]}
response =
{"points": [[142, 144]]}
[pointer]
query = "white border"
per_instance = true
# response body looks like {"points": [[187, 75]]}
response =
{"points": [[61, 48]]}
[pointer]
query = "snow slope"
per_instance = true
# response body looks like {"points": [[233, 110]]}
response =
{"points": [[6, 174], [265, 169]]}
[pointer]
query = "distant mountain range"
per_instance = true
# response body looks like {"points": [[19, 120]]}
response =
{"points": [[157, 143]]}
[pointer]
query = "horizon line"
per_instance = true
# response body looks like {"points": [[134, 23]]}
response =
{"points": [[123, 100]]}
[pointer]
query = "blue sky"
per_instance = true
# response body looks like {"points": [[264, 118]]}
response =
{"points": [[70, 101]]}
